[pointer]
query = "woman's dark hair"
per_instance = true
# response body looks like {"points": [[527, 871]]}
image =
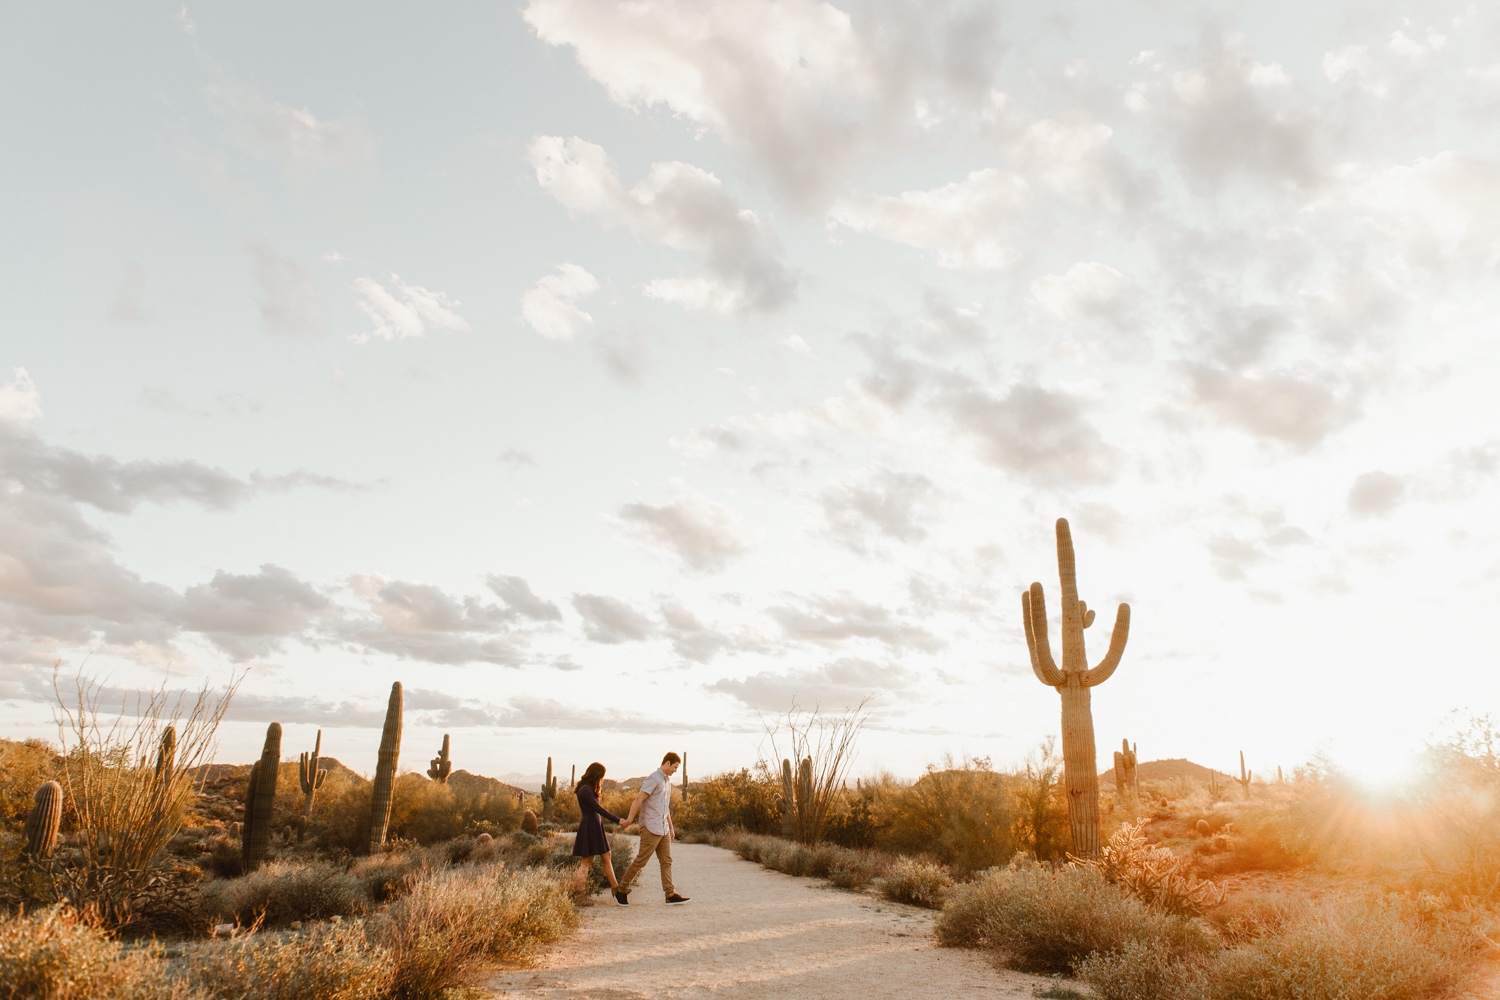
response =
{"points": [[594, 776]]}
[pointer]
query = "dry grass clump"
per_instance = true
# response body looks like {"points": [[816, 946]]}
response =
{"points": [[59, 954], [917, 882], [452, 922], [1044, 919], [330, 961], [283, 891], [391, 874]]}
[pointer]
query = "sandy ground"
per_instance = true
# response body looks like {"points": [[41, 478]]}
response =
{"points": [[750, 933]]}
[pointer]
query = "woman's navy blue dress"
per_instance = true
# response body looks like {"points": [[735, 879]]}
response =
{"points": [[591, 840]]}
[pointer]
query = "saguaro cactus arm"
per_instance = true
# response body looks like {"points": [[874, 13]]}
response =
{"points": [[1034, 614], [441, 765], [1117, 639]]}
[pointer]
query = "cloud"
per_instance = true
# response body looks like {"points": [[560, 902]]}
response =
{"points": [[129, 305], [289, 300], [419, 621], [517, 595], [298, 140], [625, 352], [404, 310], [840, 684], [250, 616], [889, 504], [806, 88], [20, 399], [1261, 535], [515, 458], [1380, 70], [691, 639], [1376, 494], [1030, 431], [837, 618], [548, 305], [1088, 291], [1298, 410], [705, 535], [1441, 211], [611, 621], [679, 206], [967, 224]]}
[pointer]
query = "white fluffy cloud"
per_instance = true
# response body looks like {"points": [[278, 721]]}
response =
{"points": [[297, 139], [20, 399], [403, 310], [679, 206], [965, 224], [704, 534], [548, 305]]}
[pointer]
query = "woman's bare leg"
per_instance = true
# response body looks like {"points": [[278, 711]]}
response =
{"points": [[609, 870]]}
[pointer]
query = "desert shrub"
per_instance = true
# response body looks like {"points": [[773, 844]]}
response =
{"points": [[858, 869], [1044, 919], [23, 767], [443, 931], [1140, 969], [284, 891], [329, 961], [736, 799], [916, 882], [59, 954], [424, 811], [391, 874], [1154, 875], [341, 813]]}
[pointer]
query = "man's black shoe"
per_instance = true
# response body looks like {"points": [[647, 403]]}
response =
{"points": [[622, 898], [674, 899]]}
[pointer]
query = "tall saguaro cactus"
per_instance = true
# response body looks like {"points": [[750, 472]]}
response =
{"points": [[260, 796], [166, 755], [310, 776], [43, 820], [441, 765], [385, 770], [549, 793], [684, 776], [1074, 682], [1245, 777], [788, 799], [1127, 780]]}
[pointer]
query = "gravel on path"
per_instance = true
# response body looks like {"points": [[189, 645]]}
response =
{"points": [[750, 933]]}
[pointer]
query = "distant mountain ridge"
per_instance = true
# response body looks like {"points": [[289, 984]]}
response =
{"points": [[1165, 770]]}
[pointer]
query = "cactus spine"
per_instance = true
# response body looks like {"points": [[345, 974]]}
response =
{"points": [[260, 796], [1245, 777], [1074, 682], [310, 776], [788, 799], [166, 756], [549, 793], [1127, 781], [441, 765], [43, 820], [385, 770]]}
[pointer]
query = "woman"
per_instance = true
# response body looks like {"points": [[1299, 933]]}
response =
{"points": [[591, 840]]}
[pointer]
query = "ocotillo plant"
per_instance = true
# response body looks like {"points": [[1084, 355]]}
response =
{"points": [[43, 820], [385, 770], [788, 799], [1074, 682], [310, 776], [549, 793], [166, 756], [1127, 781], [260, 796], [441, 765], [1244, 779]]}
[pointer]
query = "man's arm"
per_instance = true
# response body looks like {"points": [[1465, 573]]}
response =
{"points": [[635, 807]]}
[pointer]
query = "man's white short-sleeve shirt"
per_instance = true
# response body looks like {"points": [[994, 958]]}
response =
{"points": [[658, 805]]}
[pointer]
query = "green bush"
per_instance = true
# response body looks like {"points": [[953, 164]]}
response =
{"points": [[1044, 919], [737, 799], [285, 891], [919, 883], [329, 961]]}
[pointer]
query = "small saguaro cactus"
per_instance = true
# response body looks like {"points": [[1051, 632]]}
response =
{"points": [[573, 778], [310, 776], [684, 776], [804, 793], [1279, 778], [1074, 682], [441, 765], [385, 770], [260, 796], [166, 755], [1215, 790], [1245, 777], [43, 820], [549, 793], [788, 799], [1127, 781]]}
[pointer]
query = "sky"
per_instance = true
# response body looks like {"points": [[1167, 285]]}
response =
{"points": [[617, 376]]}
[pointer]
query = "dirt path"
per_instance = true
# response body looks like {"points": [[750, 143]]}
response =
{"points": [[750, 933]]}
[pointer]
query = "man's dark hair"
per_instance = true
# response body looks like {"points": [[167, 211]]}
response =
{"points": [[671, 758]]}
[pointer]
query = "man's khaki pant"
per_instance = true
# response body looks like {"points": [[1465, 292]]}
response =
{"points": [[651, 843]]}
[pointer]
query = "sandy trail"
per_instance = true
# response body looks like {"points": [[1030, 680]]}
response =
{"points": [[750, 933]]}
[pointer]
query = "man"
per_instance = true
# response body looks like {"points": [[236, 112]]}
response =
{"points": [[654, 805]]}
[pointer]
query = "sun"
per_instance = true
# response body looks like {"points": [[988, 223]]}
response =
{"points": [[1379, 765]]}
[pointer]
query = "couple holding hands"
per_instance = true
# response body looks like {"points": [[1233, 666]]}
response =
{"points": [[654, 806]]}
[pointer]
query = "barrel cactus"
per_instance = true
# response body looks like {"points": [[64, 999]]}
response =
{"points": [[43, 821], [529, 823], [1074, 682], [260, 797], [385, 771], [441, 766]]}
